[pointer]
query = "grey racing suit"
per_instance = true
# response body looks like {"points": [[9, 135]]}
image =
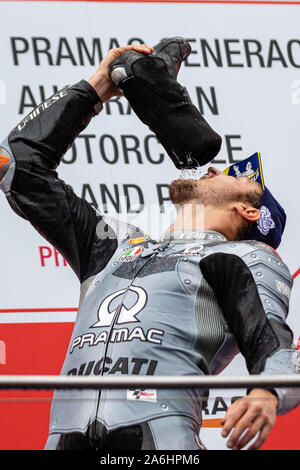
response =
{"points": [[185, 305]]}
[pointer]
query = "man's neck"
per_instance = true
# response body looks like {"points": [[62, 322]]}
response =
{"points": [[185, 236], [196, 217]]}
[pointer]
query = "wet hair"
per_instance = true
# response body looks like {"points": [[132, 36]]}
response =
{"points": [[243, 231], [253, 198]]}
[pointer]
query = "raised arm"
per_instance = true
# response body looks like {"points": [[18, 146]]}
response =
{"points": [[33, 150], [253, 291]]}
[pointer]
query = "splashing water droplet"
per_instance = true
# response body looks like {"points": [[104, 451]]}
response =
{"points": [[191, 173]]}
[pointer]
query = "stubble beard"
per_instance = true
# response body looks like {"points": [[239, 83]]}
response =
{"points": [[201, 191]]}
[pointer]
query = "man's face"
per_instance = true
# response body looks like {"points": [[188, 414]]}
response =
{"points": [[215, 188]]}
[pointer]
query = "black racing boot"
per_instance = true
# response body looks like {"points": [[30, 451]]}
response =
{"points": [[149, 84]]}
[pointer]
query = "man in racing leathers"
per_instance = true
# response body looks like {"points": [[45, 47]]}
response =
{"points": [[184, 305]]}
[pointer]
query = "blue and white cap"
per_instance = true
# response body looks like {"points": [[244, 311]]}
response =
{"points": [[269, 228]]}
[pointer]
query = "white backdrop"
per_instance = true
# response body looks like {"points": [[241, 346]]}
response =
{"points": [[243, 74]]}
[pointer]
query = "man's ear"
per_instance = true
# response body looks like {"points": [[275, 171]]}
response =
{"points": [[249, 213]]}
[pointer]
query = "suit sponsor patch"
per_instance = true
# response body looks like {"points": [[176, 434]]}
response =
{"points": [[136, 241], [131, 255], [142, 394]]}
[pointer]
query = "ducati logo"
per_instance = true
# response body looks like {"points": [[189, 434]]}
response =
{"points": [[106, 311]]}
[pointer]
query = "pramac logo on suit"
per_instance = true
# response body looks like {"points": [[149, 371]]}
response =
{"points": [[112, 316]]}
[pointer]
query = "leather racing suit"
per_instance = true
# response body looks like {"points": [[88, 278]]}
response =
{"points": [[185, 305]]}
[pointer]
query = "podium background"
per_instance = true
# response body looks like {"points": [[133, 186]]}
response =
{"points": [[243, 75]]}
